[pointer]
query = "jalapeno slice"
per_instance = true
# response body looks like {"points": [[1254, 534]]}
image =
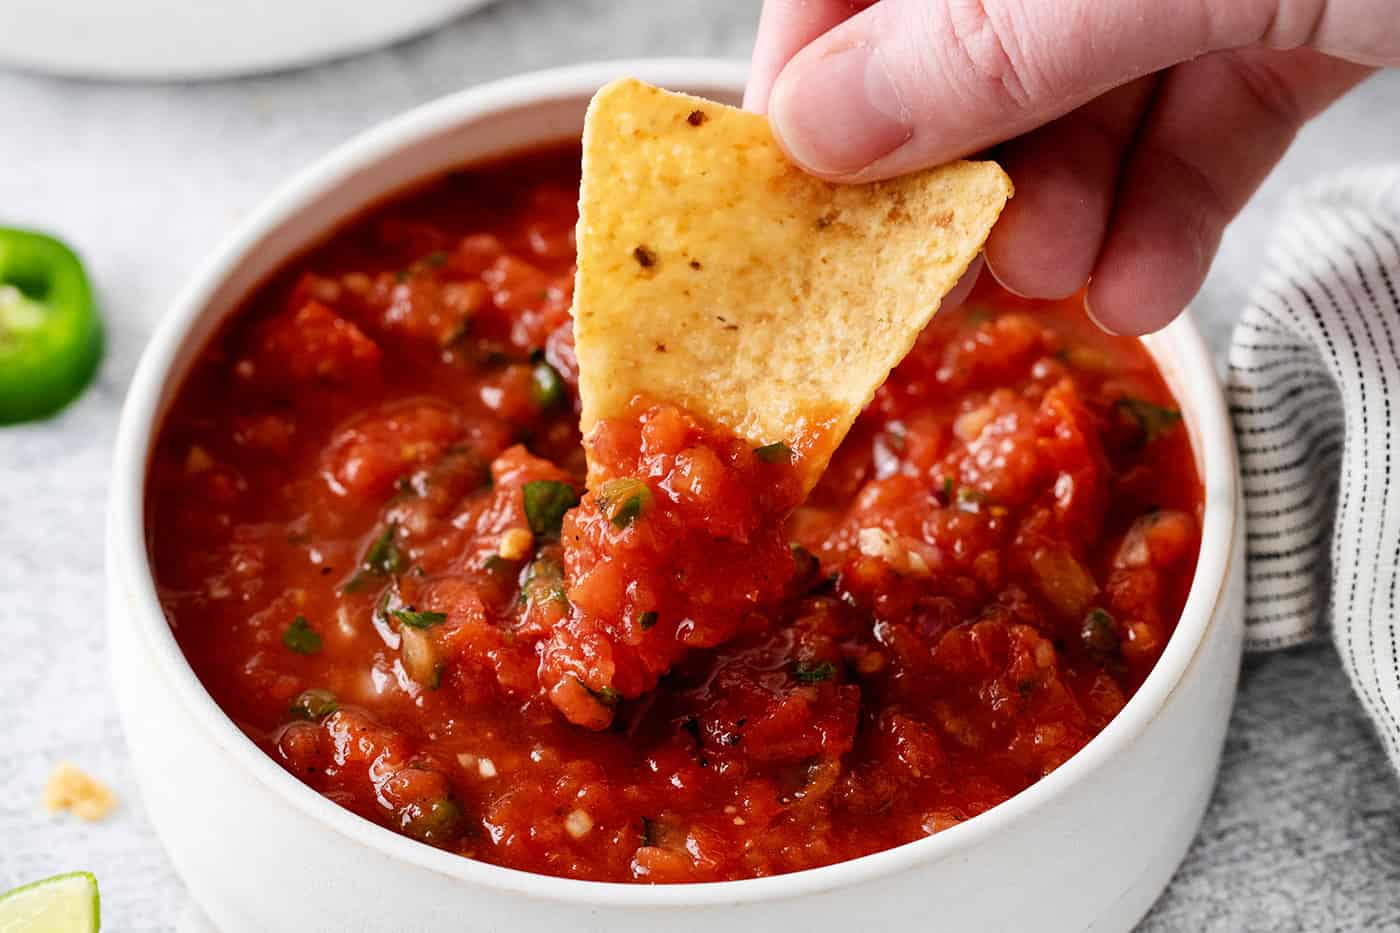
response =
{"points": [[50, 334]]}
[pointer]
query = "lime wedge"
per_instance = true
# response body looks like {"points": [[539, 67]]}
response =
{"points": [[61, 904]]}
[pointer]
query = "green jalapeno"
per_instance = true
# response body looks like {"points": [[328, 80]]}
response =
{"points": [[50, 334]]}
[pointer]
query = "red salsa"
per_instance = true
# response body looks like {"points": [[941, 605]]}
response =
{"points": [[373, 540]]}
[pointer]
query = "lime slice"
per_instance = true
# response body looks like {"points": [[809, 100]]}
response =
{"points": [[61, 904]]}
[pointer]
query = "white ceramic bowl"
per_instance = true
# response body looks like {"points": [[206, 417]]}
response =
{"points": [[1089, 846], [169, 39]]}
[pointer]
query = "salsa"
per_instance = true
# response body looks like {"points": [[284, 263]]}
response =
{"points": [[682, 546], [376, 541]]}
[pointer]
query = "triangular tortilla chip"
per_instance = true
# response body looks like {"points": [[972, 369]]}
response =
{"points": [[715, 274]]}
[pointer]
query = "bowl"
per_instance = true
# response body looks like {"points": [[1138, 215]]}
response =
{"points": [[175, 39], [1090, 845]]}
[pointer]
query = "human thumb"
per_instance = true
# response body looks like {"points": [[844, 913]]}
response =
{"points": [[906, 84]]}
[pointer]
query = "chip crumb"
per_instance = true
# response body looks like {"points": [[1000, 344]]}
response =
{"points": [[79, 793]]}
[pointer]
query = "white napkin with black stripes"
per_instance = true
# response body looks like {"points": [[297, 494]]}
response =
{"points": [[1315, 394]]}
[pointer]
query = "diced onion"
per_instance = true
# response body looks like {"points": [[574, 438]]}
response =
{"points": [[578, 824]]}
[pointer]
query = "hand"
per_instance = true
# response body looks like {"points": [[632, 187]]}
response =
{"points": [[1133, 129]]}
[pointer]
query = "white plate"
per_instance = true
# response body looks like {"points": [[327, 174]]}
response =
{"points": [[170, 39]]}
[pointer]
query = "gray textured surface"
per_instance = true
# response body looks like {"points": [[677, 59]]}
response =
{"points": [[1304, 831]]}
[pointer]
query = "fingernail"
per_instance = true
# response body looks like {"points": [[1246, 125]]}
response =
{"points": [[958, 294], [1089, 310], [840, 113], [992, 269]]}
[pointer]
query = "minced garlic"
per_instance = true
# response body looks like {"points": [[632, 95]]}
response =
{"points": [[878, 543], [516, 544]]}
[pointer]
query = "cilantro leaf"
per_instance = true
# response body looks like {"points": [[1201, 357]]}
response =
{"points": [[414, 618], [813, 673], [546, 501], [777, 452], [316, 703], [1154, 420], [382, 559], [301, 637], [605, 695]]}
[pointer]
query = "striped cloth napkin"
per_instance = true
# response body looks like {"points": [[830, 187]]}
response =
{"points": [[1314, 387]]}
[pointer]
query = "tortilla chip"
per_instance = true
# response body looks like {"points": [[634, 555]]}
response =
{"points": [[715, 274]]}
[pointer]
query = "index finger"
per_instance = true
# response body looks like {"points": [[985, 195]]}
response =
{"points": [[784, 27]]}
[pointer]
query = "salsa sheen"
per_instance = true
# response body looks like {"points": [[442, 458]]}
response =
{"points": [[373, 541]]}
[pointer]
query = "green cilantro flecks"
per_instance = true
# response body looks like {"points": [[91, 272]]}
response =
{"points": [[1154, 420], [316, 703], [301, 637], [546, 501], [414, 618], [813, 673], [382, 559], [777, 452]]}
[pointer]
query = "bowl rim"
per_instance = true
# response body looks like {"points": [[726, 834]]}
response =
{"points": [[44, 43], [1208, 420]]}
